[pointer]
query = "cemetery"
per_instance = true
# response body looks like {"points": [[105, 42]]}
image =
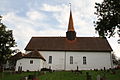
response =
{"points": [[111, 74]]}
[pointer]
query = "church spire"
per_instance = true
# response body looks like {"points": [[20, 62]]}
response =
{"points": [[71, 34], [71, 24]]}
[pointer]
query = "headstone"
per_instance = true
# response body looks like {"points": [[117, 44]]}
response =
{"points": [[77, 68], [26, 78], [104, 68], [98, 77], [88, 77], [31, 76]]}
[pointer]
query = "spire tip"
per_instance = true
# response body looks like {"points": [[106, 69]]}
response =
{"points": [[70, 5]]}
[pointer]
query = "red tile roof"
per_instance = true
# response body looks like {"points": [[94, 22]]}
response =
{"points": [[17, 56], [34, 54], [62, 44]]}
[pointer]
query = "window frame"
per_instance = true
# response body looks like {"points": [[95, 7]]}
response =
{"points": [[50, 60], [84, 60], [71, 59], [31, 61]]}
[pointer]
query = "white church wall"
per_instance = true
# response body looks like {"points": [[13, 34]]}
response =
{"points": [[26, 65], [94, 60], [61, 60], [57, 59]]}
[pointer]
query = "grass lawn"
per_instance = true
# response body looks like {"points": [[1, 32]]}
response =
{"points": [[73, 76], [60, 75], [14, 76]]}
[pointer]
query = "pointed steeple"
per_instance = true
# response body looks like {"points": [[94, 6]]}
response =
{"points": [[71, 34], [71, 24]]}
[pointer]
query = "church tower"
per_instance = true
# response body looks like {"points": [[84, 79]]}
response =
{"points": [[71, 34]]}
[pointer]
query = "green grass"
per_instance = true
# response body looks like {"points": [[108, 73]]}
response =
{"points": [[14, 76], [60, 75]]}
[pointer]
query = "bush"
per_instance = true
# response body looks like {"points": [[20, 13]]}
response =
{"points": [[46, 69]]}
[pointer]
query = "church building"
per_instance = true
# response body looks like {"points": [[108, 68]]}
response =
{"points": [[71, 52]]}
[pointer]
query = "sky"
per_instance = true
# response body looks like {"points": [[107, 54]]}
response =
{"points": [[49, 18]]}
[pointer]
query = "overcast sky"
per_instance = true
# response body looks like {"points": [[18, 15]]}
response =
{"points": [[29, 18]]}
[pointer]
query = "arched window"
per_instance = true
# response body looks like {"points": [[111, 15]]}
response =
{"points": [[71, 59], [31, 61], [50, 60], [84, 60]]}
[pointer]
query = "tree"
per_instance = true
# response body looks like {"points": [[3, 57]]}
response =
{"points": [[6, 43], [114, 59], [108, 14]]}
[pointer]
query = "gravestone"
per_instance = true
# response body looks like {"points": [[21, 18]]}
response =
{"points": [[98, 77], [88, 76], [77, 68]]}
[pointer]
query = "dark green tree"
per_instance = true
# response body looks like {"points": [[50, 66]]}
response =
{"points": [[108, 17], [6, 43]]}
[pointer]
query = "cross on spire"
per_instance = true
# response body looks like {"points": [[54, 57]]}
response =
{"points": [[70, 5]]}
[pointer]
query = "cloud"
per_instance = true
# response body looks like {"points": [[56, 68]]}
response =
{"points": [[114, 44], [48, 18], [52, 8], [82, 22], [22, 30], [26, 27], [35, 15]]}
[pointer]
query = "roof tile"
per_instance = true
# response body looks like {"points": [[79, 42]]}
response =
{"points": [[62, 44], [34, 54]]}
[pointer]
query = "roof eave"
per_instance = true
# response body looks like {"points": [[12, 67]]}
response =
{"points": [[74, 50]]}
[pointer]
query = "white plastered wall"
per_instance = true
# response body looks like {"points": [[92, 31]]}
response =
{"points": [[61, 60], [25, 64]]}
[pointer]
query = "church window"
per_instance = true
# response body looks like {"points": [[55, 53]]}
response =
{"points": [[31, 61], [50, 59], [71, 59], [84, 60]]}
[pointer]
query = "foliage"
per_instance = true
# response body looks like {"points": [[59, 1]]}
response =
{"points": [[119, 62], [114, 58], [6, 42], [108, 14]]}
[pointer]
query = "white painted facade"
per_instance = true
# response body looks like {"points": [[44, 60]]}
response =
{"points": [[26, 65], [61, 60]]}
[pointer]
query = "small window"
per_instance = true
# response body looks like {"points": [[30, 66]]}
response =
{"points": [[50, 59], [84, 60], [31, 61], [71, 59]]}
